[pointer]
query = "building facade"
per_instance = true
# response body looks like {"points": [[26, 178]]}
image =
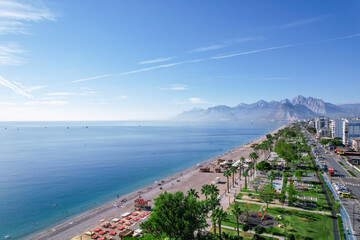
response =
{"points": [[336, 127], [351, 130], [320, 123], [356, 144]]}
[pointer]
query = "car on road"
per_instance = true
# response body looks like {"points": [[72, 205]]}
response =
{"points": [[347, 195]]}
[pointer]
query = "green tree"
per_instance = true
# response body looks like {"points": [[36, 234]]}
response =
{"points": [[227, 174], [267, 194], [193, 193], [253, 156], [263, 166], [240, 165], [176, 215], [237, 211], [233, 171], [221, 216], [271, 176], [245, 174], [214, 190], [298, 174], [205, 190]]}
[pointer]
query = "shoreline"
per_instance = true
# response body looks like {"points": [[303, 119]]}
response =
{"points": [[86, 220]]}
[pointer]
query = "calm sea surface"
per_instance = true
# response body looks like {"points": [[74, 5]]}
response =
{"points": [[50, 172]]}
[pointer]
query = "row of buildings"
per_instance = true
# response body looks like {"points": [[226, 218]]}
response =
{"points": [[346, 129]]}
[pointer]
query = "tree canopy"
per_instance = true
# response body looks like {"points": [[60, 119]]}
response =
{"points": [[263, 166], [176, 215]]}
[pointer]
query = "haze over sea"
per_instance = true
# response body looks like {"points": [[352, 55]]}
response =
{"points": [[52, 171]]}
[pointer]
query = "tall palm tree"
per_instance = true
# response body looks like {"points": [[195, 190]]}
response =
{"points": [[240, 166], [271, 176], [214, 220], [227, 174], [213, 202], [205, 189], [233, 171], [193, 193], [221, 216], [237, 211], [253, 156], [214, 190], [245, 174]]}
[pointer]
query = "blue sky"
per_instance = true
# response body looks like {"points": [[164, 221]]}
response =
{"points": [[126, 60]]}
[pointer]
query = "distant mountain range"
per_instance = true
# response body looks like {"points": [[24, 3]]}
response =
{"points": [[284, 110]]}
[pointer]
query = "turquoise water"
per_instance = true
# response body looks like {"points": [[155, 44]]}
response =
{"points": [[53, 171]]}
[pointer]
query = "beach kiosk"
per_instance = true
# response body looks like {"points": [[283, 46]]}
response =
{"points": [[140, 204]]}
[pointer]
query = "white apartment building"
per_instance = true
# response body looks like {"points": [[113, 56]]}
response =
{"points": [[336, 127], [321, 122], [351, 130]]}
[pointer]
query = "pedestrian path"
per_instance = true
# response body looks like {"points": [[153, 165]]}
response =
{"points": [[287, 207], [253, 232]]}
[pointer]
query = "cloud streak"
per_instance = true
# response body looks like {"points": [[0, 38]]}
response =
{"points": [[157, 60], [93, 78], [14, 87], [301, 22]]}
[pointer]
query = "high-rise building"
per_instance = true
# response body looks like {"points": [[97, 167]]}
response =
{"points": [[336, 127], [321, 122], [351, 130]]}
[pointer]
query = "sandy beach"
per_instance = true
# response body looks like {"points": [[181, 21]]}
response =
{"points": [[183, 181]]}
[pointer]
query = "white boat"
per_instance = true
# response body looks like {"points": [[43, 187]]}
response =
{"points": [[8, 236]]}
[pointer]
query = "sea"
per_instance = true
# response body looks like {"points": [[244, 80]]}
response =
{"points": [[53, 171]]}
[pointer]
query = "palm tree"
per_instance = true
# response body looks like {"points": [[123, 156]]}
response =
{"points": [[240, 165], [205, 189], [214, 190], [233, 171], [213, 202], [214, 219], [253, 156], [271, 176], [227, 174], [193, 193], [221, 216], [237, 211], [245, 174]]}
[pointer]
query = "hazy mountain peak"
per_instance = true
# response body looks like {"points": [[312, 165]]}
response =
{"points": [[298, 107]]}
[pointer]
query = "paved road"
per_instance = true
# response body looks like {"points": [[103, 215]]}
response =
{"points": [[342, 176]]}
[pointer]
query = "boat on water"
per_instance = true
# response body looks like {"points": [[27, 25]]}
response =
{"points": [[8, 236]]}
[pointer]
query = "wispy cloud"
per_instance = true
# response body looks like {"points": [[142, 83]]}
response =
{"points": [[46, 103], [60, 94], [14, 87], [93, 78], [157, 60], [10, 54], [34, 88], [122, 97], [301, 22], [196, 100], [240, 53], [7, 103], [206, 48], [15, 15], [176, 87]]}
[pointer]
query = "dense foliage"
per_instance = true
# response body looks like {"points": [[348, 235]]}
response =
{"points": [[263, 166], [177, 216], [287, 151]]}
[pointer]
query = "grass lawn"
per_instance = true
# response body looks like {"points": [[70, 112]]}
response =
{"points": [[245, 235], [301, 224], [321, 202]]}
